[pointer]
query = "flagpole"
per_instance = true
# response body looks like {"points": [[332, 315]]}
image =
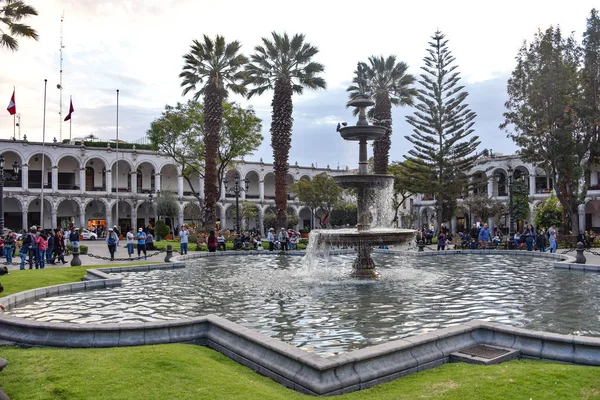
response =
{"points": [[117, 167], [43, 158], [71, 118], [14, 118]]}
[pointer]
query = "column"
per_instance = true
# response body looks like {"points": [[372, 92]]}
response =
{"points": [[261, 223], [180, 186], [581, 214], [491, 225], [222, 198], [54, 220], [453, 226], [157, 182], [261, 190], [54, 178], [25, 181], [243, 194], [82, 187], [133, 220], [24, 218], [593, 178], [133, 177], [532, 184], [180, 216], [201, 186], [82, 221], [108, 181], [490, 187], [109, 221], [223, 217]]}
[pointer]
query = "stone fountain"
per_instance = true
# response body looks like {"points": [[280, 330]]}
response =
{"points": [[368, 188]]}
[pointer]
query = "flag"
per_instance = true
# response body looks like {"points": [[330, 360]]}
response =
{"points": [[12, 107], [71, 110]]}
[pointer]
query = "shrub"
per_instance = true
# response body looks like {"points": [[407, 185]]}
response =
{"points": [[83, 249], [161, 229]]}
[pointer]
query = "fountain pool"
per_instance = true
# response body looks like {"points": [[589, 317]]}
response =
{"points": [[324, 311]]}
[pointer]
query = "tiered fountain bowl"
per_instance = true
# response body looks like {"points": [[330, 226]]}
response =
{"points": [[368, 187]]}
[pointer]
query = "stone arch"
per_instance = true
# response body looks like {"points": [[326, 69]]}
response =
{"points": [[269, 183], [169, 178], [192, 213], [122, 182], [95, 174], [10, 156], [68, 167], [34, 213], [145, 177], [35, 171], [305, 217], [253, 178], [67, 212], [13, 213]]}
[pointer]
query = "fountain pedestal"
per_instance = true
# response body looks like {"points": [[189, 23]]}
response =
{"points": [[368, 188]]}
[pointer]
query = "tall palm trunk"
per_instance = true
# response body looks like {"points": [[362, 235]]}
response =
{"points": [[281, 138], [382, 114], [213, 115]]}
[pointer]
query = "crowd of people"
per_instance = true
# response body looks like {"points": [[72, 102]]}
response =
{"points": [[284, 240], [480, 237]]}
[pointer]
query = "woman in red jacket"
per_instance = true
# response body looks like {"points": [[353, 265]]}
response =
{"points": [[42, 245]]}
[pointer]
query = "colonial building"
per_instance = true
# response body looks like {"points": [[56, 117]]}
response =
{"points": [[59, 184], [493, 173]]}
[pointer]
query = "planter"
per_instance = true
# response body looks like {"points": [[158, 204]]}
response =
{"points": [[304, 235]]}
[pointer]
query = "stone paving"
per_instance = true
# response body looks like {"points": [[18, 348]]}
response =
{"points": [[99, 248]]}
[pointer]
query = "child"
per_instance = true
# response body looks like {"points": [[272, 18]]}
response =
{"points": [[474, 244]]}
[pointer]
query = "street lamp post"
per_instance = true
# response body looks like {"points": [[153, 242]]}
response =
{"points": [[4, 176], [511, 223], [237, 189]]}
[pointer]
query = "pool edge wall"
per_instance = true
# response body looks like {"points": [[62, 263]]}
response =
{"points": [[290, 366]]}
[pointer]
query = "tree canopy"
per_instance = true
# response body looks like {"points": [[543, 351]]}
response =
{"points": [[320, 193], [11, 14], [179, 134], [442, 131]]}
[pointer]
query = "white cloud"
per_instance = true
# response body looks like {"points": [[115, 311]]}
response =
{"points": [[136, 46]]}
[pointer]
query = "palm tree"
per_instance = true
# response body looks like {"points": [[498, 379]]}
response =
{"points": [[387, 81], [212, 69], [10, 14], [283, 65]]}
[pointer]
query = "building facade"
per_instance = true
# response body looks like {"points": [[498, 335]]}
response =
{"points": [[63, 184], [492, 175]]}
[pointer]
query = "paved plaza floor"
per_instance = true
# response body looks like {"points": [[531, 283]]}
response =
{"points": [[99, 248]]}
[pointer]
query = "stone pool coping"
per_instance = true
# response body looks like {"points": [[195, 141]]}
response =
{"points": [[290, 366]]}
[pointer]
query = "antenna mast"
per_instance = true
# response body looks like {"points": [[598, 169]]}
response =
{"points": [[60, 84]]}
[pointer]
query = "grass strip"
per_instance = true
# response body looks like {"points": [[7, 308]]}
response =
{"points": [[178, 371]]}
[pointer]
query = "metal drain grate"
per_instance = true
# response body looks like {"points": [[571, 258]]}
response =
{"points": [[484, 352]]}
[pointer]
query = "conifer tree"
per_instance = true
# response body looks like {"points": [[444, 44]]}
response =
{"points": [[443, 128]]}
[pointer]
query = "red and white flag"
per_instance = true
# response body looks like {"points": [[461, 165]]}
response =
{"points": [[12, 107], [71, 111]]}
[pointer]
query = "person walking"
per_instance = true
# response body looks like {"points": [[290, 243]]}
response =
{"points": [[130, 237], [9, 243], [441, 244], [74, 237], [183, 240], [32, 248], [529, 233], [484, 236], [211, 241], [540, 241], [42, 245], [59, 246], [141, 243], [271, 239], [50, 251], [553, 244], [112, 241]]}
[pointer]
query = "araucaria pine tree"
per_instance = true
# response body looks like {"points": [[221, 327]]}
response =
{"points": [[443, 128]]}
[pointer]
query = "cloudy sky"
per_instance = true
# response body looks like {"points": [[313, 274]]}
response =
{"points": [[136, 46]]}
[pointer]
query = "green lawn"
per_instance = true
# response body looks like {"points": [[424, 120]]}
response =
{"points": [[178, 371], [18, 281]]}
